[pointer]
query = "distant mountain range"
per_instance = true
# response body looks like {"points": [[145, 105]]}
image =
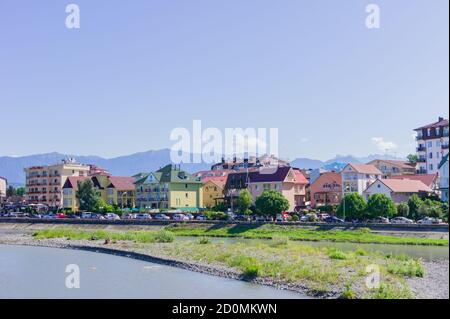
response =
{"points": [[12, 167]]}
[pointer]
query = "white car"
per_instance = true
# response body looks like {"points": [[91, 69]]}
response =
{"points": [[49, 216], [86, 215], [180, 217], [429, 221], [401, 220], [162, 217], [112, 216], [129, 216], [143, 216]]}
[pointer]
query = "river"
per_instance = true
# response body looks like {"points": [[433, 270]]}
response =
{"points": [[39, 272]]}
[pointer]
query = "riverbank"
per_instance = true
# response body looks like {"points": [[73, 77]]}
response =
{"points": [[318, 272]]}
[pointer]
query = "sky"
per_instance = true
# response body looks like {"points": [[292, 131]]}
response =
{"points": [[136, 70]]}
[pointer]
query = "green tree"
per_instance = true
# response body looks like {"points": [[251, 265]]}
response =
{"points": [[352, 206], [403, 210], [412, 158], [87, 195], [20, 191], [414, 204], [244, 201], [10, 191], [271, 202], [380, 205], [103, 207]]}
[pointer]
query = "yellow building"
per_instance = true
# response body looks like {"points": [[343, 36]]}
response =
{"points": [[213, 190], [114, 190], [169, 187]]}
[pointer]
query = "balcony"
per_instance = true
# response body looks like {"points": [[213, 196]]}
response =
{"points": [[419, 137], [444, 146], [422, 159], [421, 149]]}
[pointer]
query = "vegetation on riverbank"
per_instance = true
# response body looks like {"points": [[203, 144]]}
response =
{"points": [[323, 271], [297, 233]]}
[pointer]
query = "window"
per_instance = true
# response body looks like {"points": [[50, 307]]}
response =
{"points": [[429, 132], [430, 155], [437, 130], [187, 195], [438, 143], [430, 144], [437, 154], [430, 167]]}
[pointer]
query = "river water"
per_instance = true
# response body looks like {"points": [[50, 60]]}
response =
{"points": [[39, 272]]}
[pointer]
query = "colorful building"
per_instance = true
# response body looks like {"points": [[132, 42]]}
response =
{"points": [[326, 190], [213, 190], [169, 187], [287, 180], [394, 167]]}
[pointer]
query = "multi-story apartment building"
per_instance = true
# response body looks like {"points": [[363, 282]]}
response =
{"points": [[432, 146], [443, 178], [169, 187], [326, 189], [394, 167], [3, 187], [287, 180], [357, 177], [43, 184]]}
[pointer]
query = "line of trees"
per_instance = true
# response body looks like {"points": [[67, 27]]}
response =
{"points": [[379, 205]]}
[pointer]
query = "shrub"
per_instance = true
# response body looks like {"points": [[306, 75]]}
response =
{"points": [[251, 272], [164, 236], [204, 240], [271, 202], [293, 218], [334, 253], [403, 210]]}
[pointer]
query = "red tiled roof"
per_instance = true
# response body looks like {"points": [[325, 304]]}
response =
{"points": [[299, 177], [123, 183], [441, 122], [218, 180], [326, 178], [365, 169], [427, 179], [405, 185]]}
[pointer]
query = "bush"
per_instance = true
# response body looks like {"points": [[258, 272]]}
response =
{"points": [[164, 236], [215, 215], [403, 210], [328, 209], [355, 206], [380, 205], [336, 254], [204, 240], [293, 218], [251, 272]]}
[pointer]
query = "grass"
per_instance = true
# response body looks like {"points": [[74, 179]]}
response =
{"points": [[300, 234], [321, 269], [162, 236]]}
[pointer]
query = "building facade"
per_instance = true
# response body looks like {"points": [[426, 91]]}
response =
{"points": [[3, 188], [213, 191], [43, 184], [399, 190], [289, 181], [443, 178], [432, 146], [393, 167], [326, 190], [169, 187], [357, 177]]}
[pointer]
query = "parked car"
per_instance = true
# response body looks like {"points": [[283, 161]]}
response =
{"points": [[380, 220], [129, 216], [242, 218], [49, 216], [429, 221], [334, 219], [162, 217], [401, 220], [143, 216], [180, 217], [86, 215], [112, 216], [309, 218], [61, 215], [282, 217], [190, 216], [260, 218], [200, 217], [97, 216]]}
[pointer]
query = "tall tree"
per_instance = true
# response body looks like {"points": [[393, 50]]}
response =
{"points": [[87, 195], [380, 205], [244, 201], [272, 203], [414, 204], [352, 206], [413, 158]]}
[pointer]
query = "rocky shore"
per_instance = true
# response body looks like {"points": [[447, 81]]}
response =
{"points": [[434, 285]]}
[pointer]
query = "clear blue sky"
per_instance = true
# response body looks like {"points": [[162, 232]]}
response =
{"points": [[137, 69]]}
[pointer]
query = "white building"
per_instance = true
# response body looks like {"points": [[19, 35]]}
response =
{"points": [[357, 177], [3, 186], [432, 146], [399, 190], [443, 178]]}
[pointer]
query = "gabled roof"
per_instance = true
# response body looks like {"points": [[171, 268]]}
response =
{"points": [[441, 122], [398, 163], [218, 182], [326, 178], [405, 185], [171, 174], [72, 182], [427, 179], [365, 168], [121, 183]]}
